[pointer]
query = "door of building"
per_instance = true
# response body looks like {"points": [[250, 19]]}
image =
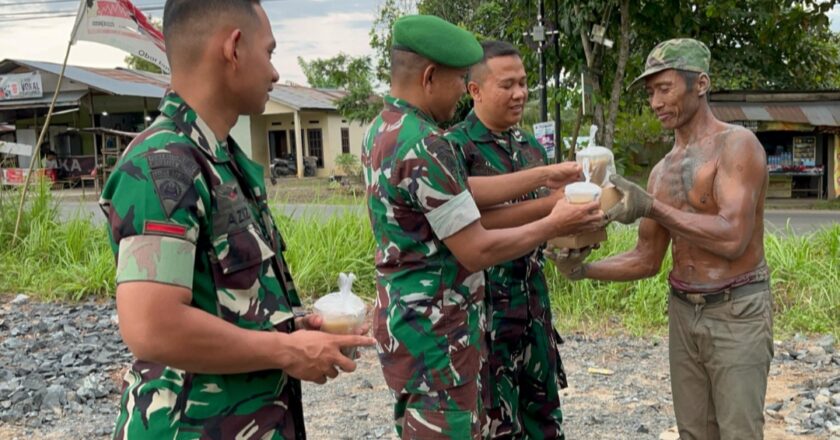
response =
{"points": [[278, 144]]}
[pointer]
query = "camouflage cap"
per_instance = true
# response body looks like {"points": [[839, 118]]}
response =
{"points": [[680, 54]]}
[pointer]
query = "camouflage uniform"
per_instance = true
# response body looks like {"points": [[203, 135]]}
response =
{"points": [[429, 319], [526, 372], [187, 210]]}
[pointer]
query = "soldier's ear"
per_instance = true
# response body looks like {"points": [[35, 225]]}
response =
{"points": [[703, 84], [474, 90], [230, 46], [428, 76]]}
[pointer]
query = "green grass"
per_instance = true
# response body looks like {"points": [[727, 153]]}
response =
{"points": [[805, 277], [71, 261], [314, 190], [52, 260], [319, 250]]}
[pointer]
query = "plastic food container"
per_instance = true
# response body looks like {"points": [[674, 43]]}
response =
{"points": [[582, 192], [343, 312]]}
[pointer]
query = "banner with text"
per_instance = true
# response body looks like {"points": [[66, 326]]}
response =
{"points": [[17, 176], [120, 24], [21, 86], [544, 132]]}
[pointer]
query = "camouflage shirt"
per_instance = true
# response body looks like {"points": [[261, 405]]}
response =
{"points": [[486, 153], [187, 210], [429, 317]]}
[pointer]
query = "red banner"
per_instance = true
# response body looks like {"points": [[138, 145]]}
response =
{"points": [[17, 176]]}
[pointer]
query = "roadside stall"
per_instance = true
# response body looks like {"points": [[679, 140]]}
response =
{"points": [[113, 143], [799, 133]]}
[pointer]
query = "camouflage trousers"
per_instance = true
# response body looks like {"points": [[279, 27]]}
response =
{"points": [[163, 403], [452, 413], [522, 388]]}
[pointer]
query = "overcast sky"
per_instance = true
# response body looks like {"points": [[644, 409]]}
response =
{"points": [[305, 28]]}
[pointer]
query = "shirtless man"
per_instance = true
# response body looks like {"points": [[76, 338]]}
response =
{"points": [[706, 199]]}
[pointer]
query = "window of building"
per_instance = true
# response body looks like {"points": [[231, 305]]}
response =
{"points": [[345, 140]]}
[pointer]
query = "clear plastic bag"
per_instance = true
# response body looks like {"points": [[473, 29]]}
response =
{"points": [[601, 160], [343, 312]]}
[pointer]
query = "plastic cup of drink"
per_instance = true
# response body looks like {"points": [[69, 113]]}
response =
{"points": [[579, 193]]}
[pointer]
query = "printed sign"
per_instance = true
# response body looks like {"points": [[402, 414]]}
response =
{"points": [[544, 132], [120, 24], [21, 86], [17, 176], [75, 166], [805, 150]]}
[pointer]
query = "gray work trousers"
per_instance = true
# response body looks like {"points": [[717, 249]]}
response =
{"points": [[720, 357]]}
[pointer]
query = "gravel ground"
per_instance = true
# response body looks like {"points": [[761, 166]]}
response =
{"points": [[61, 367]]}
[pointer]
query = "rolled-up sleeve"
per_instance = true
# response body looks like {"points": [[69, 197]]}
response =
{"points": [[436, 182], [154, 211]]}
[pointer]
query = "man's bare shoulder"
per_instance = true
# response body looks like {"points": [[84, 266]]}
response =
{"points": [[737, 136], [741, 144]]}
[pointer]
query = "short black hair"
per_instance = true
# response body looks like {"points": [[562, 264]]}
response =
{"points": [[689, 77], [186, 23], [492, 49], [405, 64]]}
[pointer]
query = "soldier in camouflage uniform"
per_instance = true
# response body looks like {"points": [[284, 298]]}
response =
{"points": [[204, 295], [508, 165], [429, 319]]}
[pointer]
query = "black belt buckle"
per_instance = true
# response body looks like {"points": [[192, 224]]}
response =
{"points": [[704, 298]]}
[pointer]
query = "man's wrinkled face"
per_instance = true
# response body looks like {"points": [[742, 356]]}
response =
{"points": [[501, 90], [670, 98]]}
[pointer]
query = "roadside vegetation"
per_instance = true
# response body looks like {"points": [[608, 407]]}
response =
{"points": [[71, 261]]}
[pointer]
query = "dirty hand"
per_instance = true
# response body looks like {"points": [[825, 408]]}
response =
{"points": [[570, 262], [561, 174], [635, 202]]}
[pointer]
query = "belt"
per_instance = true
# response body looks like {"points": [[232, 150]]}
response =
{"points": [[722, 296]]}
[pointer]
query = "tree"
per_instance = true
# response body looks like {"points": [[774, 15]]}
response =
{"points": [[353, 75], [767, 44], [137, 63]]}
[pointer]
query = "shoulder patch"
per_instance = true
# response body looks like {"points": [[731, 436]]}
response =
{"points": [[173, 176], [166, 229]]}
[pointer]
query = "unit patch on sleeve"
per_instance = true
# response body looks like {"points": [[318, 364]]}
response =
{"points": [[173, 177]]}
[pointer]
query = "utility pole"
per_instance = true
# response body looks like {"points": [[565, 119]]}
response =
{"points": [[558, 123], [538, 33]]}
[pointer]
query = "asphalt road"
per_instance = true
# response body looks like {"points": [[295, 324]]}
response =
{"points": [[799, 221]]}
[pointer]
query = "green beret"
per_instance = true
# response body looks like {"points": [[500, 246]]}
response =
{"points": [[437, 39]]}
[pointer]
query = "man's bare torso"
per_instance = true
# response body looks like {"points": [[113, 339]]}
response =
{"points": [[686, 179]]}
